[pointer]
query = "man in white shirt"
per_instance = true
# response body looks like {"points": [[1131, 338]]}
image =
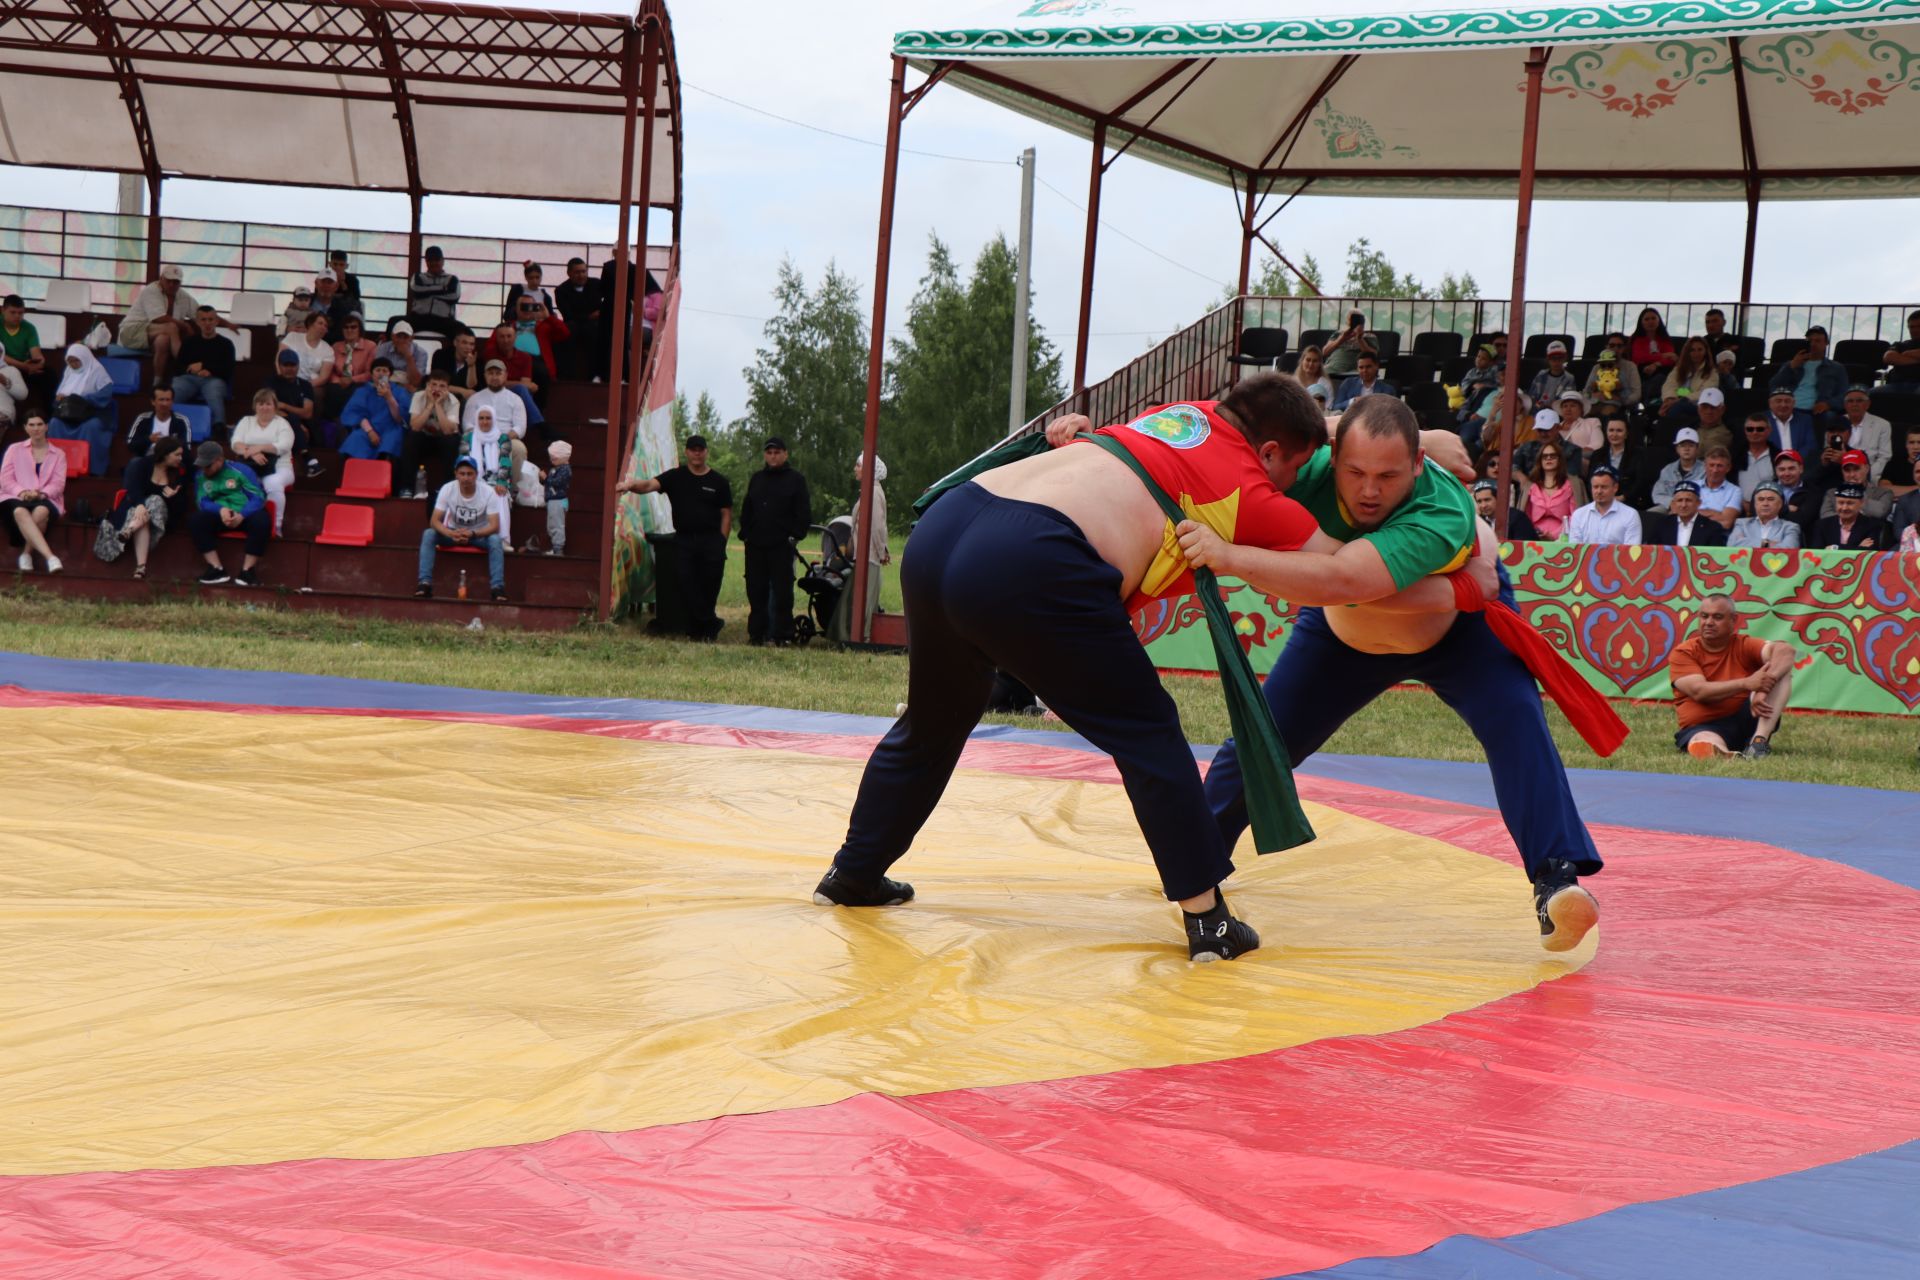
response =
{"points": [[1686, 444], [509, 410], [1870, 434], [1603, 520], [1720, 497], [160, 319], [311, 345], [465, 514]]}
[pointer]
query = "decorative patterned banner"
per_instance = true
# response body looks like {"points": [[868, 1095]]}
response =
{"points": [[1617, 612]]}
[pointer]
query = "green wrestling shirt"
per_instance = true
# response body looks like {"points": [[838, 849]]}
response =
{"points": [[1436, 530]]}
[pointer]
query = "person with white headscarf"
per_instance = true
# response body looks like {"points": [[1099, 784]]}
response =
{"points": [[83, 407], [878, 553], [491, 448]]}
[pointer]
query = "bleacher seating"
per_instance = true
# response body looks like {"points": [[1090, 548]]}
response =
{"points": [[199, 419], [1439, 345], [73, 296], [79, 455], [1261, 348], [124, 372], [346, 526], [365, 478], [1537, 344], [273, 509]]}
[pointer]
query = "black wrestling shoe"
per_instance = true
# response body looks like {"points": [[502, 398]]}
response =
{"points": [[836, 890], [1216, 934], [1566, 910]]}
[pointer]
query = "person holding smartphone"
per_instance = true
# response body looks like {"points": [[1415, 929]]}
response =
{"points": [[1341, 355]]}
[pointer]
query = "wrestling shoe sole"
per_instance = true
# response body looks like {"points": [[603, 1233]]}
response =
{"points": [[1707, 751], [1573, 912], [822, 900]]}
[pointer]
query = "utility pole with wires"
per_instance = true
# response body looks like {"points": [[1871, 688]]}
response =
{"points": [[1017, 406]]}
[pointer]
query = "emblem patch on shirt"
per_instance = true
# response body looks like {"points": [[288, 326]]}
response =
{"points": [[1180, 425]]}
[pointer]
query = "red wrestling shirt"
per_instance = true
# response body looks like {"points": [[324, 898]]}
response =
{"points": [[1208, 468]]}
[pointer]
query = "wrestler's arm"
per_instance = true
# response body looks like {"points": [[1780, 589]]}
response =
{"points": [[1327, 572]]}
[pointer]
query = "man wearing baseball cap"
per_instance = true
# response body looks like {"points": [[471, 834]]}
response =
{"points": [[160, 319], [702, 502], [1685, 466], [1555, 380], [1876, 498], [777, 513], [1816, 383], [1800, 501], [1710, 420]]}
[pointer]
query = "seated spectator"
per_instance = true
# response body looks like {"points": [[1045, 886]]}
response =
{"points": [[1478, 389], [83, 407], [295, 401], [1727, 362], [1653, 351], [352, 367], [1683, 525], [376, 416], [1755, 466], [1728, 688], [264, 441], [1767, 526], [433, 436], [1310, 372], [329, 302], [1366, 382], [1554, 494], [1789, 427], [1720, 498], [346, 285], [298, 311], [228, 497], [20, 358], [1551, 382], [1322, 398], [1876, 496], [531, 273], [1575, 429], [509, 409], [157, 424], [1911, 469], [1867, 432], [1899, 396], [160, 319], [433, 297], [578, 300], [519, 366], [1487, 467], [1801, 503], [309, 343], [1693, 372], [1495, 414], [465, 514], [1613, 386], [402, 356], [1847, 529], [1633, 469], [157, 495], [1519, 528], [1341, 353], [1685, 466], [1720, 342], [206, 368], [536, 330], [33, 493], [1816, 383], [1906, 511], [1710, 420], [1604, 520], [462, 365], [499, 457]]}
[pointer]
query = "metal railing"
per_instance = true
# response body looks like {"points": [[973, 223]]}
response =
{"points": [[108, 253]]}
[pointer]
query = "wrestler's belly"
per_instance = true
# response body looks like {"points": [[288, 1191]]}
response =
{"points": [[1377, 631]]}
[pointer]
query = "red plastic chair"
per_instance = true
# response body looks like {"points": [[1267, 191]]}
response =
{"points": [[272, 511], [346, 526], [79, 455], [365, 478]]}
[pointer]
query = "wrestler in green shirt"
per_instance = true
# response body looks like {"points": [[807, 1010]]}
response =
{"points": [[1433, 531]]}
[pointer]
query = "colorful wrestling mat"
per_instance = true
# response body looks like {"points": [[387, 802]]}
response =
{"points": [[311, 977]]}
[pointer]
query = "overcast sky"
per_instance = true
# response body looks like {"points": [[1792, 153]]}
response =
{"points": [[758, 189]]}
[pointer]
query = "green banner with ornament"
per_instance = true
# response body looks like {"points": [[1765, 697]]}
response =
{"points": [[1617, 612]]}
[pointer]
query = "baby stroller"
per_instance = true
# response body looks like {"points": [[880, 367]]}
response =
{"points": [[825, 579]]}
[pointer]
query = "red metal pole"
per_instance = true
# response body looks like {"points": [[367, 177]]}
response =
{"points": [[1246, 239], [636, 332], [1516, 310], [609, 510], [1086, 263], [876, 353], [1746, 263], [153, 225], [414, 244]]}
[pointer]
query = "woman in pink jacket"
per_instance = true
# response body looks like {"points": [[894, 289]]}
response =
{"points": [[33, 493]]}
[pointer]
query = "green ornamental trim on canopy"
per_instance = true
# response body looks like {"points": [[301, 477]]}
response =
{"points": [[1388, 33]]}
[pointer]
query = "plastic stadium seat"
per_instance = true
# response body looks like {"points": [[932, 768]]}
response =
{"points": [[1785, 349], [1438, 345], [1386, 343], [1861, 356], [1261, 347], [1753, 351], [346, 526], [72, 296], [365, 478], [124, 372], [273, 509], [53, 330], [118, 494], [1537, 344], [1410, 371], [252, 308], [242, 344], [199, 420], [429, 347], [79, 454], [1315, 338]]}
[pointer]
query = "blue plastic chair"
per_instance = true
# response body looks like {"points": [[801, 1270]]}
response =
{"points": [[124, 372], [201, 419]]}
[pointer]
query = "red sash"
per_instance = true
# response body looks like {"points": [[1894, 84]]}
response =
{"points": [[1590, 714]]}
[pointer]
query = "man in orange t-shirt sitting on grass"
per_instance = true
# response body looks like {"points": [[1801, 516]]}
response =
{"points": [[1728, 688]]}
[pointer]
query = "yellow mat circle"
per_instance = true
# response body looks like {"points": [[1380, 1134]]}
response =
{"points": [[238, 939]]}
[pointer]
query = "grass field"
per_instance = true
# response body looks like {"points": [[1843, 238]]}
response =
{"points": [[621, 661]]}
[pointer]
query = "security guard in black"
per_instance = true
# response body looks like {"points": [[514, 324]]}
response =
{"points": [[777, 512], [702, 502]]}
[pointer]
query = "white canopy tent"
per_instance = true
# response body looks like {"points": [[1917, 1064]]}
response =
{"points": [[1657, 100]]}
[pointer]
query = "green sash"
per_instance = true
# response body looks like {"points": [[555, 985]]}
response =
{"points": [[1273, 806], [1027, 446]]}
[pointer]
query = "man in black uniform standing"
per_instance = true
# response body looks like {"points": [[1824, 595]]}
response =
{"points": [[776, 514], [702, 502]]}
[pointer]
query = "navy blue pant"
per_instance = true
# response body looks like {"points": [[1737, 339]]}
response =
{"points": [[1319, 683], [989, 582]]}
